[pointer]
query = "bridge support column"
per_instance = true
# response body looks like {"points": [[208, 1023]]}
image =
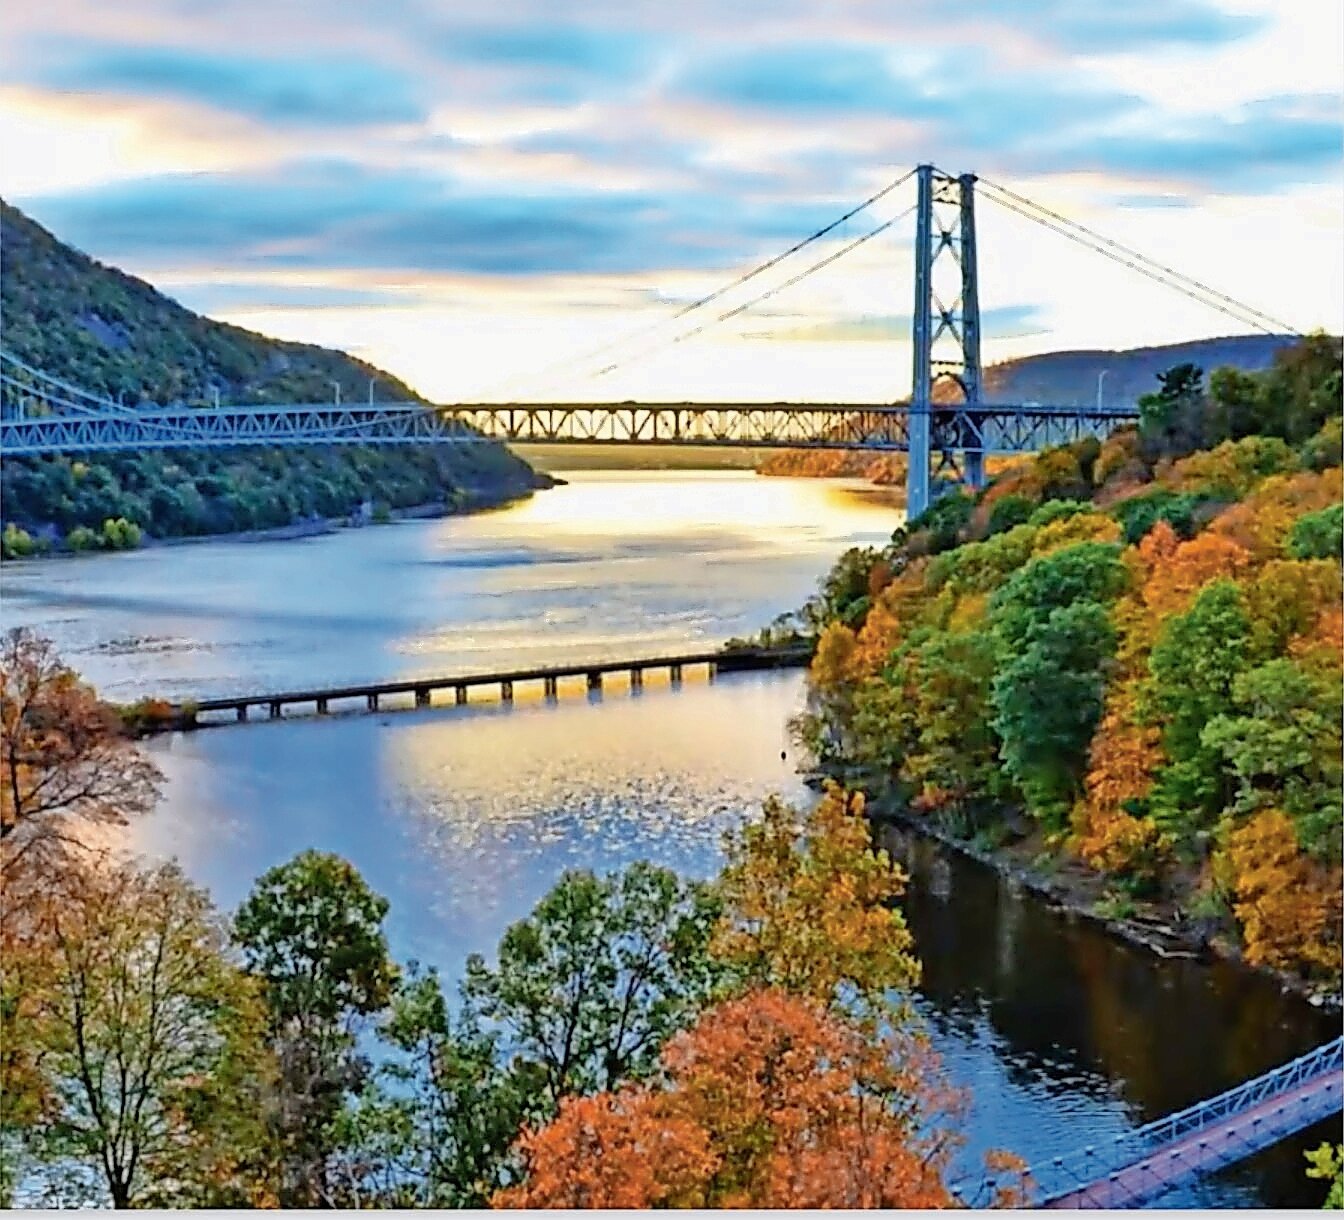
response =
{"points": [[975, 469], [711, 671], [276, 711], [674, 675], [241, 712], [322, 707], [459, 695], [550, 686], [506, 691], [946, 337], [371, 701], [422, 696], [595, 680], [636, 679]]}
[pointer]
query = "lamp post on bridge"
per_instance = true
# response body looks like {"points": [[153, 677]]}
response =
{"points": [[337, 386], [371, 381], [1100, 378]]}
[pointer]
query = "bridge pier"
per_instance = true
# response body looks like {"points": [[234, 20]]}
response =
{"points": [[321, 707], [276, 711], [459, 695], [674, 674], [422, 696], [595, 681], [506, 692], [636, 679], [241, 713], [711, 672], [550, 686], [371, 701]]}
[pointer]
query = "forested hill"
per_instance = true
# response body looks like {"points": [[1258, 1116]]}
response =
{"points": [[1070, 378], [111, 333]]}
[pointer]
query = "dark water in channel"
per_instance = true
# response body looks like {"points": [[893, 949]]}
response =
{"points": [[464, 817]]}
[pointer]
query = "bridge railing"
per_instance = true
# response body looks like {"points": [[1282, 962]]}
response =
{"points": [[1061, 1175]]}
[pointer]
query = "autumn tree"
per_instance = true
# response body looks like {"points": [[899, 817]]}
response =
{"points": [[809, 907], [768, 1101], [311, 934], [64, 756], [1286, 903], [148, 1035], [587, 988]]}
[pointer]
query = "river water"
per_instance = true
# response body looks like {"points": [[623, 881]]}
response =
{"points": [[463, 817]]}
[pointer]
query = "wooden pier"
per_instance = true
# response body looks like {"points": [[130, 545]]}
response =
{"points": [[374, 696]]}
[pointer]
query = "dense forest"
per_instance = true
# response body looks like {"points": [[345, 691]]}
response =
{"points": [[1123, 656], [114, 335]]}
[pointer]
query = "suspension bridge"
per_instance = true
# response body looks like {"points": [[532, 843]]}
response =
{"points": [[947, 427], [1140, 1166]]}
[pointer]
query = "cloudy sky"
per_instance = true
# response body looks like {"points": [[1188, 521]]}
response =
{"points": [[476, 195]]}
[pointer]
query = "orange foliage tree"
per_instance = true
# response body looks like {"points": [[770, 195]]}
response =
{"points": [[64, 756], [768, 1101]]}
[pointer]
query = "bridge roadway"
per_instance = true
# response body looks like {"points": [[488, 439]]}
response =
{"points": [[987, 429], [187, 714]]}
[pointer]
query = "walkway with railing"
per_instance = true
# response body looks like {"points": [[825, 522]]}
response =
{"points": [[1138, 1167]]}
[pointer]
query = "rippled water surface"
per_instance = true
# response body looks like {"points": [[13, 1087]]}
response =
{"points": [[464, 817]]}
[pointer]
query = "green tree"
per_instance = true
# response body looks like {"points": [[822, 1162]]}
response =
{"points": [[1192, 669], [311, 931], [1280, 737], [436, 1130], [1047, 700], [1318, 535], [1171, 420], [589, 986]]}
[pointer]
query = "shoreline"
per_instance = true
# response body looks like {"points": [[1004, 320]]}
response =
{"points": [[1157, 938], [316, 527], [1065, 895]]}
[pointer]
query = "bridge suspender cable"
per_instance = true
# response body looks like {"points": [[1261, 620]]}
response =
{"points": [[1132, 259], [770, 292], [759, 269]]}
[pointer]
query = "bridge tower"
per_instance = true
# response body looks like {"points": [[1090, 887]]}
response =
{"points": [[946, 337]]}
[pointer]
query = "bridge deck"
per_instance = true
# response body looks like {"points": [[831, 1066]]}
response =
{"points": [[1205, 1151], [371, 692]]}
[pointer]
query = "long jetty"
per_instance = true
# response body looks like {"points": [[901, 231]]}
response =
{"points": [[372, 696]]}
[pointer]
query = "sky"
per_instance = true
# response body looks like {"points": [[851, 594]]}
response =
{"points": [[478, 197]]}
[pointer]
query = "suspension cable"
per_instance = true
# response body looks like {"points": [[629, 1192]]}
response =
{"points": [[759, 269], [1135, 261]]}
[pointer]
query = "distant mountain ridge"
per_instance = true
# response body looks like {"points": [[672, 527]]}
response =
{"points": [[112, 334], [1070, 378]]}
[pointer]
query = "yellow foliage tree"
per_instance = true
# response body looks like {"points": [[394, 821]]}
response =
{"points": [[809, 906], [1288, 904]]}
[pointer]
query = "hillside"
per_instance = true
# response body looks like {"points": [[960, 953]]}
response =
{"points": [[1067, 378], [111, 333], [1053, 378]]}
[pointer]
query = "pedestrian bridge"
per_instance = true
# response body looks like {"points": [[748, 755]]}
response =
{"points": [[1140, 1166]]}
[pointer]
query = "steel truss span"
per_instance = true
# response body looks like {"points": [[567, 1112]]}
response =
{"points": [[1002, 429]]}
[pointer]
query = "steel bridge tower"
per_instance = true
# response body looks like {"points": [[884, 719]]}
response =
{"points": [[946, 338]]}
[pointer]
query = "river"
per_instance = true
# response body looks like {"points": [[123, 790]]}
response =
{"points": [[463, 817]]}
